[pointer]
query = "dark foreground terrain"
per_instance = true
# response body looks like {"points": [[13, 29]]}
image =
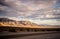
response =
{"points": [[30, 35], [43, 36]]}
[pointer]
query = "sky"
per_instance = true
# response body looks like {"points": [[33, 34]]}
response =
{"points": [[38, 11]]}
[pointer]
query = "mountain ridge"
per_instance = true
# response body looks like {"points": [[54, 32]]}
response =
{"points": [[17, 22], [14, 23]]}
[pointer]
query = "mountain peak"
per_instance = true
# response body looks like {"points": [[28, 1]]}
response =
{"points": [[25, 22]]}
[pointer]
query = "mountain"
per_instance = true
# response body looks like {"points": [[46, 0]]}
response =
{"points": [[28, 23], [6, 20], [10, 22], [13, 23]]}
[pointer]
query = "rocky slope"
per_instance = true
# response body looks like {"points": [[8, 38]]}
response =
{"points": [[14, 23]]}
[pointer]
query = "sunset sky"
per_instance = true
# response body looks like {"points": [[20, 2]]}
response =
{"points": [[38, 11]]}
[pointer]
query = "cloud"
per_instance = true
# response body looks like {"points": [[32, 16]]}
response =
{"points": [[47, 22], [38, 11], [35, 9]]}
